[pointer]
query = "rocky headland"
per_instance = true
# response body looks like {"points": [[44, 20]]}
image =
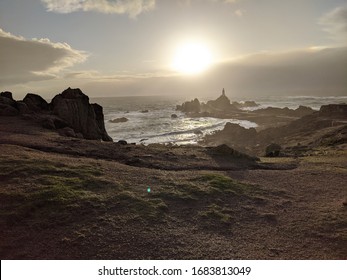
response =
{"points": [[68, 192], [223, 108]]}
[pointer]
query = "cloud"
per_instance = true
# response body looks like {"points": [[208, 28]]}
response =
{"points": [[314, 71], [335, 22], [130, 7], [25, 60]]}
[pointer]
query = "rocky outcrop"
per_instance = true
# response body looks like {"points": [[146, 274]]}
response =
{"points": [[35, 102], [6, 94], [222, 103], [69, 113], [245, 104], [73, 106], [119, 120], [334, 110], [190, 106], [299, 112], [233, 135], [7, 104]]}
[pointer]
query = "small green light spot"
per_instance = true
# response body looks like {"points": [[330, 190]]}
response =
{"points": [[148, 190]]}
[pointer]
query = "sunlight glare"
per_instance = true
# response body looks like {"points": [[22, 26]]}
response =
{"points": [[192, 58]]}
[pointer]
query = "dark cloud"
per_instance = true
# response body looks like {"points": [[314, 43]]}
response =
{"points": [[33, 60]]}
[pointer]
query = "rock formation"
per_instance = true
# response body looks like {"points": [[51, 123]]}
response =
{"points": [[333, 110], [222, 103], [35, 102], [70, 113], [299, 112], [119, 120], [73, 106], [190, 106]]}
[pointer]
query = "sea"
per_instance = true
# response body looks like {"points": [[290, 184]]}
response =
{"points": [[149, 117]]}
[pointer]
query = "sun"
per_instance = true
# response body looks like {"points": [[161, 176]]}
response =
{"points": [[192, 58]]}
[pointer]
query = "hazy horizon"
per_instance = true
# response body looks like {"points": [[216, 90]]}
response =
{"points": [[190, 48]]}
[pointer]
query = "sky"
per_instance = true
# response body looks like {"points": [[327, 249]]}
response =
{"points": [[174, 47]]}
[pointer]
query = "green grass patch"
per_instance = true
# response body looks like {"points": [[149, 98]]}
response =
{"points": [[215, 214], [47, 193], [217, 183], [149, 208]]}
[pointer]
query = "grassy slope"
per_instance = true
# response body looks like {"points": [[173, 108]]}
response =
{"points": [[59, 206]]}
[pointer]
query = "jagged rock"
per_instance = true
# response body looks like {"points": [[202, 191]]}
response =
{"points": [[73, 107], [299, 112], [333, 110], [35, 102], [99, 117], [273, 150], [119, 120], [6, 94], [190, 106]]}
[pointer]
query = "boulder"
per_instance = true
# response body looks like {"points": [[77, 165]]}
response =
{"points": [[73, 107], [119, 120], [35, 102], [122, 142], [226, 151], [174, 116]]}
